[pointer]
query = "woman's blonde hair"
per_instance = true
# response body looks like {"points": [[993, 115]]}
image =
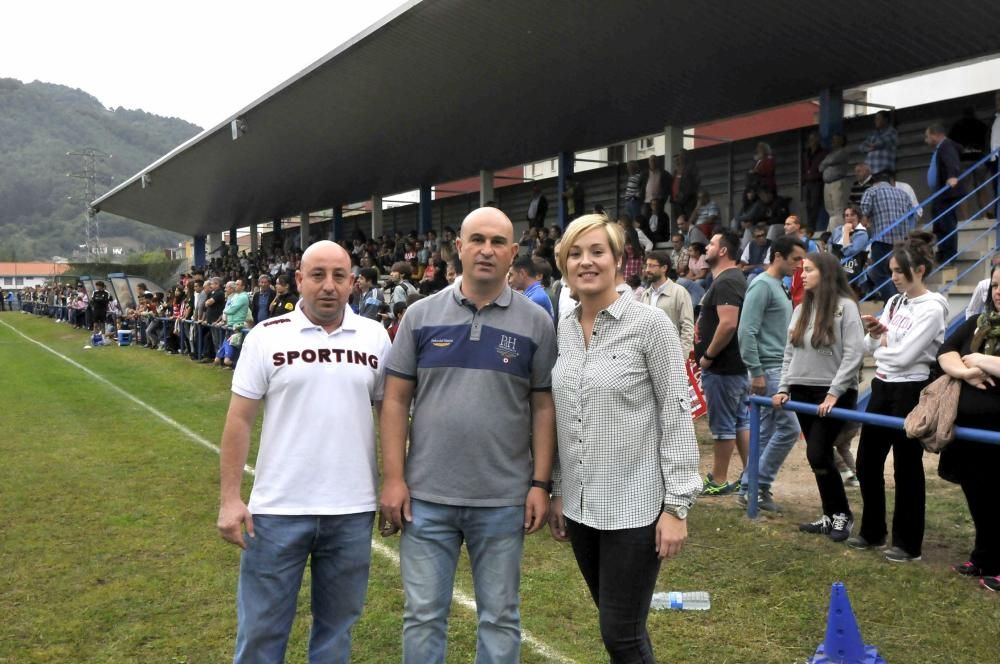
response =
{"points": [[582, 226]]}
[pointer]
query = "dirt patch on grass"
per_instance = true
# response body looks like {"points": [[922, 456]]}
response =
{"points": [[949, 531]]}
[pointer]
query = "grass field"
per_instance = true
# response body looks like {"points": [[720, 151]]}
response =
{"points": [[109, 551]]}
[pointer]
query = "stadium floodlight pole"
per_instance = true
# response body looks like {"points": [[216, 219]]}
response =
{"points": [[89, 176]]}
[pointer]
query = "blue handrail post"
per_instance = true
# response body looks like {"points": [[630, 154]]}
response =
{"points": [[753, 462]]}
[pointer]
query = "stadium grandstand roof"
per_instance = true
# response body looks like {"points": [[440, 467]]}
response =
{"points": [[441, 89]]}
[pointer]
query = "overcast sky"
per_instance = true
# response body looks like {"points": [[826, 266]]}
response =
{"points": [[200, 61]]}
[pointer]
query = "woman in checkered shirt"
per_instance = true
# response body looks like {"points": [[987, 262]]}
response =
{"points": [[627, 471]]}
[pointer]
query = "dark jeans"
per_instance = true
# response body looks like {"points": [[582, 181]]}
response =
{"points": [[620, 568], [974, 466], [944, 225], [814, 206], [879, 274], [897, 400], [821, 433]]}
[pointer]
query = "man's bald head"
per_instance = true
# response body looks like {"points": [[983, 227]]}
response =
{"points": [[486, 248], [486, 216], [325, 281], [324, 250]]}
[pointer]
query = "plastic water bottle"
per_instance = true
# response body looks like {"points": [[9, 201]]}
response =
{"points": [[696, 601]]}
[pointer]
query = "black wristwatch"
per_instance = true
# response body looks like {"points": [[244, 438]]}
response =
{"points": [[544, 486], [708, 357]]}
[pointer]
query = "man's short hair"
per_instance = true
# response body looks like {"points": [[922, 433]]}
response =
{"points": [[369, 274], [882, 176], [404, 269], [661, 257], [729, 240], [936, 129], [524, 264], [785, 244], [199, 282], [541, 268], [99, 283]]}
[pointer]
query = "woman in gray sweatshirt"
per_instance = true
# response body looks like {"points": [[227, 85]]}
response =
{"points": [[822, 356]]}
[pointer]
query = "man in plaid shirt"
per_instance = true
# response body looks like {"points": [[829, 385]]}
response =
{"points": [[883, 204], [881, 145]]}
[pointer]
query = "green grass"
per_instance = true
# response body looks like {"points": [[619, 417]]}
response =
{"points": [[109, 551]]}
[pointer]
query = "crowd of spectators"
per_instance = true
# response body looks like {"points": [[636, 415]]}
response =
{"points": [[809, 348]]}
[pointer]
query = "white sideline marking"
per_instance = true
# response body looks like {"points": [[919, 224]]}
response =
{"points": [[466, 601]]}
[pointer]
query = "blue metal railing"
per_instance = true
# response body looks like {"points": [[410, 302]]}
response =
{"points": [[913, 211], [757, 402]]}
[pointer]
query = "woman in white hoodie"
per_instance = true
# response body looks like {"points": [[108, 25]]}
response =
{"points": [[904, 341]]}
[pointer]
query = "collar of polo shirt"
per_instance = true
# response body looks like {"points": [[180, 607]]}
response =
{"points": [[502, 300], [349, 324]]}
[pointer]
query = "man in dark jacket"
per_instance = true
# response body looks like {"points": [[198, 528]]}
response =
{"points": [[284, 301], [260, 303], [945, 167], [537, 208]]}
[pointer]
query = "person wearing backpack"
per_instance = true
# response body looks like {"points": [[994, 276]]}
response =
{"points": [[401, 288]]}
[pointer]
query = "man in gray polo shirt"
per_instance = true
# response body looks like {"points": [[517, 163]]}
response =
{"points": [[477, 359]]}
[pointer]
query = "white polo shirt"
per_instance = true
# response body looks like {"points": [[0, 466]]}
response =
{"points": [[317, 443]]}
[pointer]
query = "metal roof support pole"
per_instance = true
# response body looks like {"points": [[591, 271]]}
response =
{"points": [[253, 238], [485, 187], [376, 215], [232, 240], [565, 173], [337, 233], [214, 241], [425, 221], [199, 250], [303, 230], [831, 114], [673, 143]]}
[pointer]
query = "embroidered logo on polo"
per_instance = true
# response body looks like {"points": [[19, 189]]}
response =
{"points": [[276, 321], [442, 343], [507, 349]]}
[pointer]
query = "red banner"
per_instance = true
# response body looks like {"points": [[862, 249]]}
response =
{"points": [[698, 405]]}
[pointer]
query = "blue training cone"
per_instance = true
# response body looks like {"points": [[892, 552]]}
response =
{"points": [[843, 644]]}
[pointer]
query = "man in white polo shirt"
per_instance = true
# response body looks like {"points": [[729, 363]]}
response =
{"points": [[317, 369]]}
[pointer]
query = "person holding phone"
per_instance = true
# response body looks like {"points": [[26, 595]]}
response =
{"points": [[904, 341]]}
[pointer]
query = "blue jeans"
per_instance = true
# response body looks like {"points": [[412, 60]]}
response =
{"points": [[428, 556], [271, 574], [779, 431], [728, 398]]}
